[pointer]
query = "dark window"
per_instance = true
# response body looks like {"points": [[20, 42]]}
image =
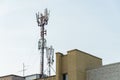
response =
{"points": [[65, 76]]}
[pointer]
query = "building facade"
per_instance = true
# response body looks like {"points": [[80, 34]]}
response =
{"points": [[74, 65], [11, 77]]}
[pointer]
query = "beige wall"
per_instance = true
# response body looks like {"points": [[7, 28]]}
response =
{"points": [[75, 64], [85, 62]]}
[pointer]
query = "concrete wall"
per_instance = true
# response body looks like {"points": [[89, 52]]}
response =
{"points": [[107, 72], [32, 77], [17, 78], [49, 78], [6, 78], [11, 77]]}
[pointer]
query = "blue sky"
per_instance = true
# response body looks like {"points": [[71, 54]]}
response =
{"points": [[88, 25]]}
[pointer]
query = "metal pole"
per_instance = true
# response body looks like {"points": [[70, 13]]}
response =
{"points": [[42, 20], [42, 52], [49, 68], [23, 69]]}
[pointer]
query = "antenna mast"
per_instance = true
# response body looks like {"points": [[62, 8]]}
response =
{"points": [[42, 20], [23, 69]]}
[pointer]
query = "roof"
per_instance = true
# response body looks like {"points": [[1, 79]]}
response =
{"points": [[32, 75], [46, 77], [83, 53], [108, 65], [11, 75]]}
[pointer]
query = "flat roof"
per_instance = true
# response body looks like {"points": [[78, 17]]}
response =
{"points": [[107, 65], [32, 75], [83, 53]]}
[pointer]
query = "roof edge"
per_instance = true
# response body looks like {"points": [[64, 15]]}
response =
{"points": [[11, 75], [83, 52]]}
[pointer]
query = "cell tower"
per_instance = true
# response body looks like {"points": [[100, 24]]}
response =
{"points": [[42, 20]]}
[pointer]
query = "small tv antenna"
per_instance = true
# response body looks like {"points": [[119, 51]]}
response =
{"points": [[23, 70], [42, 20]]}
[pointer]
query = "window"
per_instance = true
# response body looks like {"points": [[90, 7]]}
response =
{"points": [[65, 76]]}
